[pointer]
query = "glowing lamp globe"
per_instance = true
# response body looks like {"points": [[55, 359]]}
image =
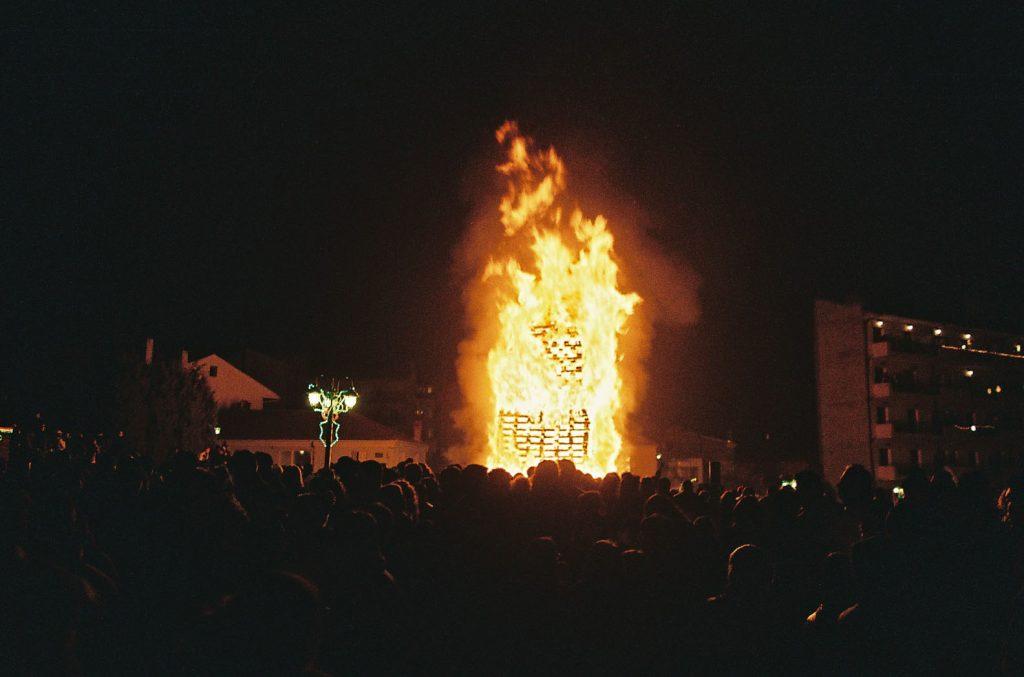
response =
{"points": [[348, 400]]}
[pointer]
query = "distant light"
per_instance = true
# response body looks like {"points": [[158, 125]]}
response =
{"points": [[314, 398], [967, 337], [349, 400], [968, 373], [937, 331], [216, 430], [879, 324], [999, 389], [908, 327], [974, 428], [963, 346], [1017, 347], [899, 492], [301, 452], [657, 456], [988, 390]]}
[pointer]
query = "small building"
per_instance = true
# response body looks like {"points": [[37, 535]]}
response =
{"points": [[232, 387], [686, 455], [291, 437]]}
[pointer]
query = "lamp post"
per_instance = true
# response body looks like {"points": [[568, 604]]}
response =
{"points": [[331, 402]]}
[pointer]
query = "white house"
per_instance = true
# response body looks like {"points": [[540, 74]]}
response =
{"points": [[231, 386], [292, 435]]}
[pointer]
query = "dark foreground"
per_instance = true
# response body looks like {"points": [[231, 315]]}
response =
{"points": [[241, 567]]}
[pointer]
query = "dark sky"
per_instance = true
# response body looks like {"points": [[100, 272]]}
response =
{"points": [[295, 181]]}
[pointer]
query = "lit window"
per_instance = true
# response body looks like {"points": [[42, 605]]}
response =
{"points": [[908, 327], [967, 337], [879, 324], [1017, 347], [213, 370], [968, 373], [378, 454]]}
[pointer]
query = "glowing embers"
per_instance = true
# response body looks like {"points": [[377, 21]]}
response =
{"points": [[538, 436], [565, 349], [533, 438]]}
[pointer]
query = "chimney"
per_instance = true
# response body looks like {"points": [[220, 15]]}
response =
{"points": [[184, 359], [149, 351]]}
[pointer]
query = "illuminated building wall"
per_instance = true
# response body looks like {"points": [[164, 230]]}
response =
{"points": [[896, 392]]}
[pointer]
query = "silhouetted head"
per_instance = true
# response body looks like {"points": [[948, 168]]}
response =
{"points": [[603, 564], [856, 486], [660, 504], [748, 574], [546, 476], [499, 481]]}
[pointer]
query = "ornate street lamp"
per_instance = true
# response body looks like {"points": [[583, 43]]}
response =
{"points": [[331, 402]]}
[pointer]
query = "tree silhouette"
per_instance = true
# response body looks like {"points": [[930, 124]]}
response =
{"points": [[165, 408]]}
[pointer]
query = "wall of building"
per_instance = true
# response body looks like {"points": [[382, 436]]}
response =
{"points": [[388, 452], [842, 388], [231, 386]]}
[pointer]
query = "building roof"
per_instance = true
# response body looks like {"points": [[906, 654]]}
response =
{"points": [[297, 424], [213, 358]]}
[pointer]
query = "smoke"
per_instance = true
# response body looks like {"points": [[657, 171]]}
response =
{"points": [[667, 285]]}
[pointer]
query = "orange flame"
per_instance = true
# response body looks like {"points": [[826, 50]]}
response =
{"points": [[554, 367]]}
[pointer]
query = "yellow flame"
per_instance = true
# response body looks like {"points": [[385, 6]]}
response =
{"points": [[554, 368]]}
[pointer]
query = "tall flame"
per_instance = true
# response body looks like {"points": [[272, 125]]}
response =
{"points": [[554, 368]]}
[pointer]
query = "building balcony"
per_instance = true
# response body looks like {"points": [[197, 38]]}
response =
{"points": [[882, 431]]}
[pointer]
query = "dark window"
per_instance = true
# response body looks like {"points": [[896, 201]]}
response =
{"points": [[882, 415], [885, 456], [918, 457], [213, 370], [378, 454]]}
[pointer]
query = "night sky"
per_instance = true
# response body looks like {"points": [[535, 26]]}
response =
{"points": [[295, 181]]}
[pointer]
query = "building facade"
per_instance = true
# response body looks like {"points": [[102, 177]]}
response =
{"points": [[291, 437], [232, 387], [894, 393]]}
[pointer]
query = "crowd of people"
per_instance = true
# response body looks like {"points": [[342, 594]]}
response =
{"points": [[234, 565]]}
